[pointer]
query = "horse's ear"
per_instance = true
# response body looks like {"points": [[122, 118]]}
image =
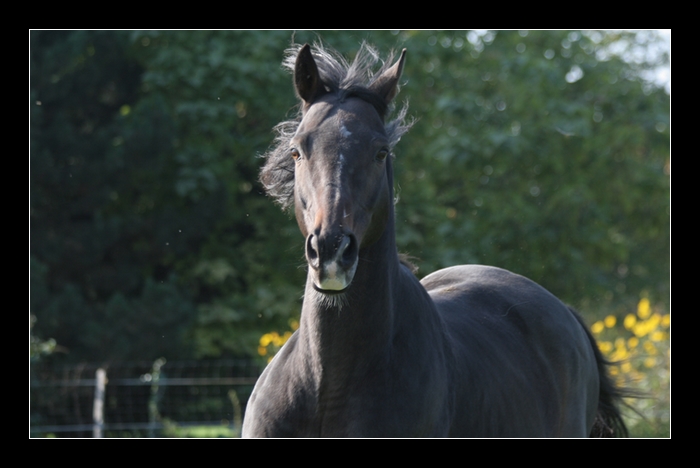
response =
{"points": [[306, 78], [387, 84]]}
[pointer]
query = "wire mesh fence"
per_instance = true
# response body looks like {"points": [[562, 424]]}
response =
{"points": [[141, 399]]}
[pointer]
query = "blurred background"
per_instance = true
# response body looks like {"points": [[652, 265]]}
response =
{"points": [[154, 253]]}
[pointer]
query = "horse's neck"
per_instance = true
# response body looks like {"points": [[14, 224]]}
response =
{"points": [[343, 334]]}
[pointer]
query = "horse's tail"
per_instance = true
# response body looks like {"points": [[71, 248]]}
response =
{"points": [[608, 420]]}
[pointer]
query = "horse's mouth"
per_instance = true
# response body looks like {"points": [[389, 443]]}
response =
{"points": [[331, 292]]}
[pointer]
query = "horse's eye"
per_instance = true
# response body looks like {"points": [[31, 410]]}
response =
{"points": [[382, 154], [295, 154]]}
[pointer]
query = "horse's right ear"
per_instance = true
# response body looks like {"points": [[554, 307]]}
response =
{"points": [[387, 84], [307, 81]]}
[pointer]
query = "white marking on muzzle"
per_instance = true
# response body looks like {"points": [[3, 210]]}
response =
{"points": [[332, 280], [333, 277]]}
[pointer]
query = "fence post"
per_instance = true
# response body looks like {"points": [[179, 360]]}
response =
{"points": [[98, 403], [153, 413]]}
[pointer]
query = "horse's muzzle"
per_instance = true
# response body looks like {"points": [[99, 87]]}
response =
{"points": [[332, 259]]}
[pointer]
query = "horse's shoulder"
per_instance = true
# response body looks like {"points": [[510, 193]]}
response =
{"points": [[282, 400]]}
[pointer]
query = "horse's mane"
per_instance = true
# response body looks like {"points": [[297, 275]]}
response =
{"points": [[339, 77]]}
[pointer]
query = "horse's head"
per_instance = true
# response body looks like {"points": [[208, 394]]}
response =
{"points": [[342, 193]]}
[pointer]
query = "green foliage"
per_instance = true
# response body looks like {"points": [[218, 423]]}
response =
{"points": [[518, 167], [545, 153], [209, 432]]}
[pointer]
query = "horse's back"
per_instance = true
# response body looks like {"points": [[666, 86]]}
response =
{"points": [[523, 361]]}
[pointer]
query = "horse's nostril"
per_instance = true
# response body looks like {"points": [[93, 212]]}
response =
{"points": [[350, 253], [312, 250]]}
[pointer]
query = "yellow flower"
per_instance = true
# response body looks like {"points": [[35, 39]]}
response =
{"points": [[605, 347], [644, 308], [666, 320], [265, 340], [650, 362], [610, 321], [657, 336], [597, 327], [654, 321], [277, 339], [640, 329], [650, 348], [630, 321], [633, 342], [619, 354]]}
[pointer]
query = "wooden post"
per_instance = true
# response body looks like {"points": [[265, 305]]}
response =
{"points": [[98, 403]]}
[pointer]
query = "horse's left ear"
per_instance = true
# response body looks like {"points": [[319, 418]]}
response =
{"points": [[306, 77], [387, 84]]}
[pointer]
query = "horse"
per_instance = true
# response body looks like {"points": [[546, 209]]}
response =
{"points": [[468, 351]]}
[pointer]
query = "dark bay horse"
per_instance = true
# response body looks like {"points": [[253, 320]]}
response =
{"points": [[469, 351]]}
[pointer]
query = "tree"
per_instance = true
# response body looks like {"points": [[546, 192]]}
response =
{"points": [[543, 152]]}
